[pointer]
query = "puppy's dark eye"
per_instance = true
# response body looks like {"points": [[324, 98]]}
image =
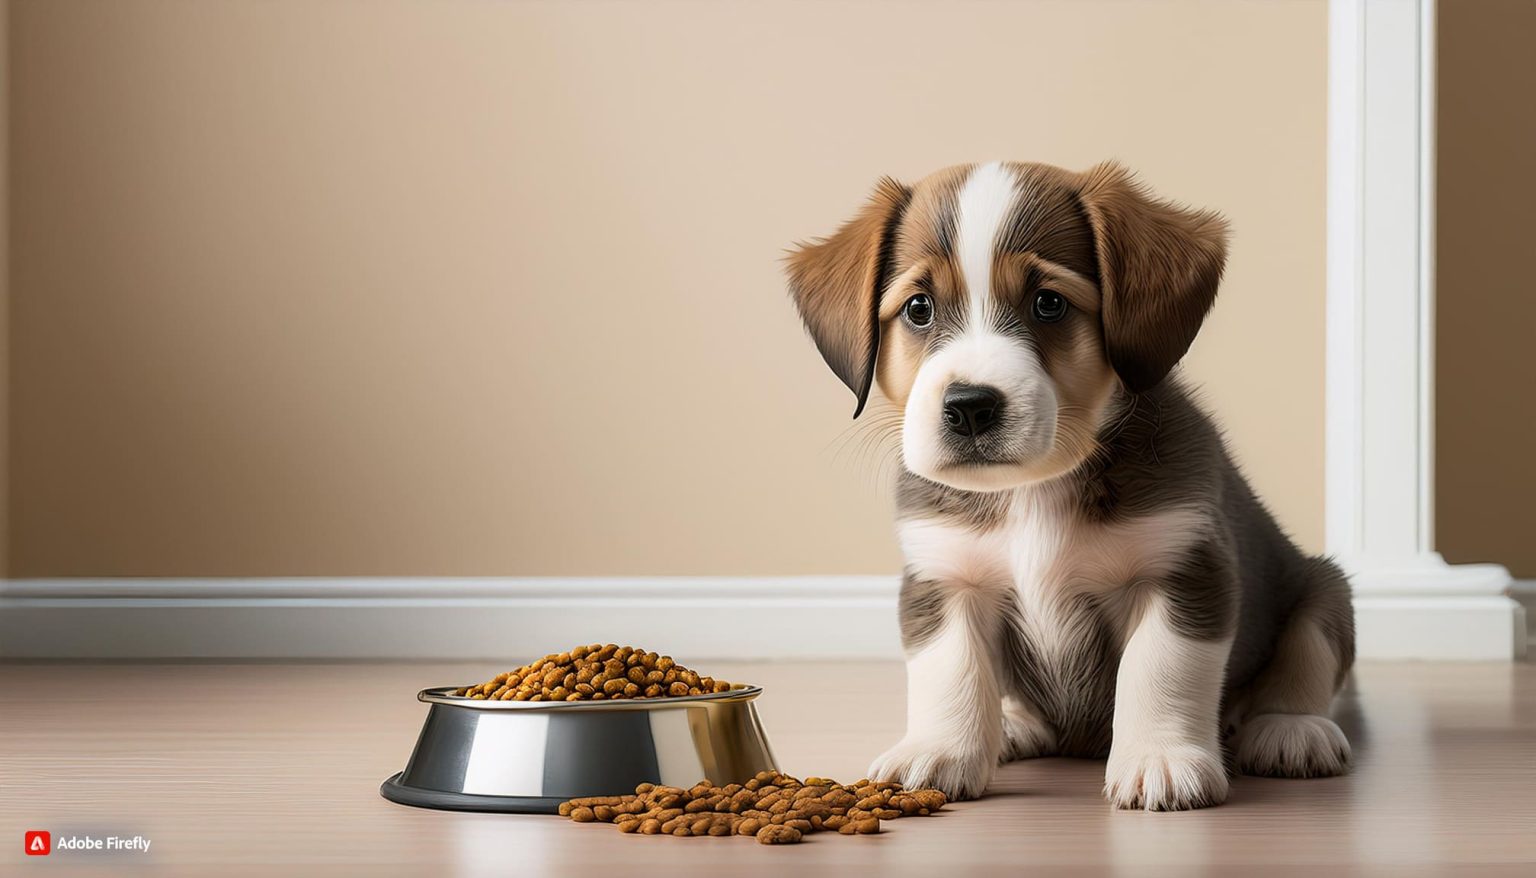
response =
{"points": [[919, 311], [1049, 306]]}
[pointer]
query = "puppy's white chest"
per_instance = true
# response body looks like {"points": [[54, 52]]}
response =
{"points": [[1045, 549]]}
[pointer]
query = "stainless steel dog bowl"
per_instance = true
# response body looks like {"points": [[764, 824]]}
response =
{"points": [[529, 756]]}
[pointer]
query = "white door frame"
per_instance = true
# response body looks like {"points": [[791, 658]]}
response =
{"points": [[1380, 370]]}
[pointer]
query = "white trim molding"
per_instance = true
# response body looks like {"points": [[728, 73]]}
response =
{"points": [[1524, 593], [819, 617], [1380, 375], [503, 619]]}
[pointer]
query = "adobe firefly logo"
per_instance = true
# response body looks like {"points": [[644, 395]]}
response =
{"points": [[38, 843]]}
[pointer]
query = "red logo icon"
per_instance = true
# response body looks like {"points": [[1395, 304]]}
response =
{"points": [[39, 843]]}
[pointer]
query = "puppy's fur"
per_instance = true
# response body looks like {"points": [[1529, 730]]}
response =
{"points": [[1088, 573]]}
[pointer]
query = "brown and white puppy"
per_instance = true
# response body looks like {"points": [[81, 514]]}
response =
{"points": [[1088, 573]]}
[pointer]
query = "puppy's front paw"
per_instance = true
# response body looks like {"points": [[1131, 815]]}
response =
{"points": [[952, 769], [1177, 777]]}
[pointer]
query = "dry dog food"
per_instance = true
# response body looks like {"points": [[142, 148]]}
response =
{"points": [[774, 808], [597, 673]]}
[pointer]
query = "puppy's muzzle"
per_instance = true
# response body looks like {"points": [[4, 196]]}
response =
{"points": [[971, 410]]}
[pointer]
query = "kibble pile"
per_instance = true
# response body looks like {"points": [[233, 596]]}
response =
{"points": [[597, 673], [774, 808]]}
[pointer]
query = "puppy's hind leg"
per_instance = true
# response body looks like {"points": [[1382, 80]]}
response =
{"points": [[1284, 729], [1025, 734]]}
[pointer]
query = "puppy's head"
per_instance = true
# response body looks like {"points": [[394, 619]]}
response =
{"points": [[1002, 305]]}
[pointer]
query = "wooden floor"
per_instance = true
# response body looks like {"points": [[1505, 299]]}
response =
{"points": [[259, 769]]}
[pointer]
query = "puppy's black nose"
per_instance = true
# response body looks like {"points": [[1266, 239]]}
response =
{"points": [[970, 410]]}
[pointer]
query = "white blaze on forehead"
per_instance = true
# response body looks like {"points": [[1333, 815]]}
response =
{"points": [[983, 206]]}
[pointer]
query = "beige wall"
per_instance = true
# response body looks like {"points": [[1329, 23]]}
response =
{"points": [[491, 288], [1486, 308]]}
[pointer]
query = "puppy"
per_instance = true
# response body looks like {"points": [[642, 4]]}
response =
{"points": [[1087, 572]]}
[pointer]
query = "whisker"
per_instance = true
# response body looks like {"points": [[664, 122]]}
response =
{"points": [[872, 443]]}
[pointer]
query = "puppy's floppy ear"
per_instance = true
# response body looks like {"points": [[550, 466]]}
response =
{"points": [[836, 283], [1159, 266]]}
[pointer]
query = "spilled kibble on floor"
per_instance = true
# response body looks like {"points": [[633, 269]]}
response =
{"points": [[597, 673], [773, 808]]}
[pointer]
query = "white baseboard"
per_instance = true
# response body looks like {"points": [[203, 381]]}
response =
{"points": [[1424, 608], [466, 619], [1447, 628], [1524, 593], [814, 617]]}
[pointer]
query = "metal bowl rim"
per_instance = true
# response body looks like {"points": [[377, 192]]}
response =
{"points": [[444, 695]]}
